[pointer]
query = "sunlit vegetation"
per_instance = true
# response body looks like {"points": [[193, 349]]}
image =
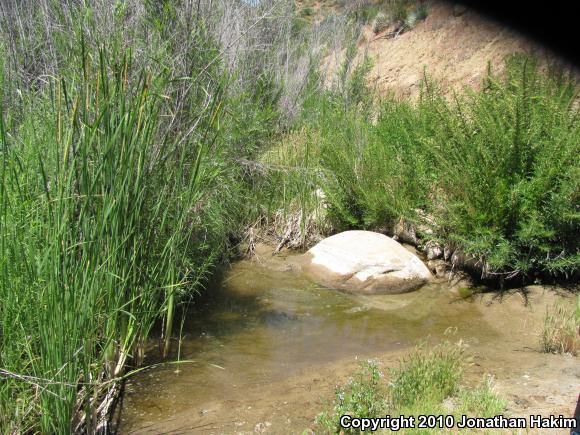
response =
{"points": [[124, 128], [140, 140], [427, 381], [493, 172], [560, 330]]}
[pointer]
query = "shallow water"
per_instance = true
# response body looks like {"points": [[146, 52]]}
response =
{"points": [[263, 325]]}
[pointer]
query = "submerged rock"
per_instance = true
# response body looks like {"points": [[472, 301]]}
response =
{"points": [[460, 283], [365, 262]]}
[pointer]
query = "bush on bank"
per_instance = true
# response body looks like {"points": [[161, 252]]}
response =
{"points": [[493, 172]]}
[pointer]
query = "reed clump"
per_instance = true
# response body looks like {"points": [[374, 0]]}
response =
{"points": [[98, 231], [126, 129]]}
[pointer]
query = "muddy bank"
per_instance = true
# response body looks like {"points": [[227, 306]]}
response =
{"points": [[270, 346]]}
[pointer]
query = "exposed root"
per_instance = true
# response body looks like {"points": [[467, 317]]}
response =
{"points": [[286, 230], [98, 421]]}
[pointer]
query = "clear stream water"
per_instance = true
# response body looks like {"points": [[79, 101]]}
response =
{"points": [[261, 325]]}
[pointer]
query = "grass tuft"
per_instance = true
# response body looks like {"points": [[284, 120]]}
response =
{"points": [[427, 376], [363, 396], [560, 330]]}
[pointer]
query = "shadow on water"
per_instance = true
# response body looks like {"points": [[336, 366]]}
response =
{"points": [[258, 326]]}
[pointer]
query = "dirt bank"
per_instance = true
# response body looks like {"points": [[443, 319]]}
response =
{"points": [[455, 50]]}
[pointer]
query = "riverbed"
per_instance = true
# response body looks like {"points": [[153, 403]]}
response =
{"points": [[263, 350]]}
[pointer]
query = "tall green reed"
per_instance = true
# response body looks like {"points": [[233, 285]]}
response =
{"points": [[97, 236]]}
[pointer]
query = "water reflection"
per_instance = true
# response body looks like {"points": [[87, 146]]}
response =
{"points": [[260, 326]]}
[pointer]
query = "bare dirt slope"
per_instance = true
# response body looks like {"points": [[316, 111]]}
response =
{"points": [[453, 49]]}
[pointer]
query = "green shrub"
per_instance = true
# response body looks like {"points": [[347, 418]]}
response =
{"points": [[507, 177], [492, 172], [363, 396], [427, 376]]}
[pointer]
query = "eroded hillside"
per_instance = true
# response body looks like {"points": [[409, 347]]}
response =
{"points": [[452, 47]]}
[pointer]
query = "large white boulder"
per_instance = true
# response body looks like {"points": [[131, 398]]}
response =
{"points": [[365, 262]]}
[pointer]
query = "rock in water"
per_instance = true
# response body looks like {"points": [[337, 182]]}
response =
{"points": [[365, 262]]}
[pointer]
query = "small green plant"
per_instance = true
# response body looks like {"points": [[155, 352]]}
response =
{"points": [[381, 23], [419, 386], [398, 10], [307, 12], [411, 20], [363, 396], [419, 14], [368, 13], [459, 9], [560, 330], [421, 11], [578, 307], [481, 401], [427, 375]]}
